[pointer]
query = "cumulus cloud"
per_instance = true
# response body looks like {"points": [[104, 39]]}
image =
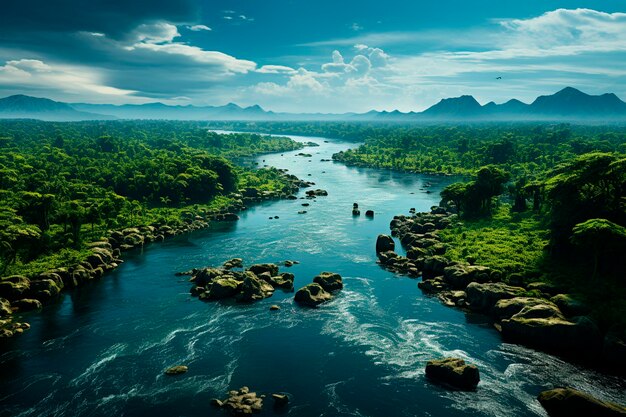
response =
{"points": [[336, 79], [359, 66], [160, 32]]}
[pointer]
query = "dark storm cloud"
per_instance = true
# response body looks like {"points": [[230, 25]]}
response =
{"points": [[114, 18]]}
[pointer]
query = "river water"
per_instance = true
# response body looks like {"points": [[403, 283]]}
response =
{"points": [[102, 350]]}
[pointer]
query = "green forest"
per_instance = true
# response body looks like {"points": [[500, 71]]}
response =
{"points": [[64, 184]]}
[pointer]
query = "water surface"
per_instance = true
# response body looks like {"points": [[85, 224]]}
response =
{"points": [[102, 350]]}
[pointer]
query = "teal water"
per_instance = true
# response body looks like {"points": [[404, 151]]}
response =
{"points": [[102, 350]]}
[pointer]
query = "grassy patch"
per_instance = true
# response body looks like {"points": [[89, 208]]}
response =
{"points": [[509, 242]]}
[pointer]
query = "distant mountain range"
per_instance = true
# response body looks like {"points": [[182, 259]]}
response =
{"points": [[568, 104]]}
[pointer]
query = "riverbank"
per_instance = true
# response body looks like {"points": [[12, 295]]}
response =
{"points": [[21, 293], [523, 308]]}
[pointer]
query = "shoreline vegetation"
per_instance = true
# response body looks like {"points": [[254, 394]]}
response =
{"points": [[74, 196]]}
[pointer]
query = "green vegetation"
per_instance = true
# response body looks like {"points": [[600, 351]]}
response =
{"points": [[509, 241], [62, 184]]}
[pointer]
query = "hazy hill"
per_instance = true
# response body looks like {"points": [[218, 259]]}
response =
{"points": [[569, 104]]}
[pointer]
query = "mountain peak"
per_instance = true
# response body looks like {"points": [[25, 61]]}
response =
{"points": [[455, 107], [571, 101], [22, 103]]}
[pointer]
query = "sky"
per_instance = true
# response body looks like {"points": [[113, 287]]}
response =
{"points": [[310, 56]]}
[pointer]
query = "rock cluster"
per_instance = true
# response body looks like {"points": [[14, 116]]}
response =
{"points": [[241, 401], [537, 314], [320, 291], [316, 193], [259, 281]]}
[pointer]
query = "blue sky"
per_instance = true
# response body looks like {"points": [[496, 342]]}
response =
{"points": [[322, 56]]}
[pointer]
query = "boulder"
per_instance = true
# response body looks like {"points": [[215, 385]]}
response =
{"points": [[386, 257], [233, 263], [254, 289], [258, 269], [206, 276], [454, 372], [544, 287], [54, 276], [507, 308], [130, 231], [283, 281], [460, 276], [27, 304], [568, 402], [5, 308], [316, 193], [384, 243], [280, 400], [569, 305], [223, 288], [14, 287], [432, 286], [44, 289], [176, 370], [312, 295], [329, 281], [434, 266], [545, 327], [134, 239], [482, 297], [274, 307]]}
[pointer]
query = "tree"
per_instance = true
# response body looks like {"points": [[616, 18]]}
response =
{"points": [[456, 193], [15, 236], [588, 187], [601, 236]]}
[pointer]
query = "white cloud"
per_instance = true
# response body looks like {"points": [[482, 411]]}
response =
{"points": [[199, 28], [219, 60], [154, 33], [33, 73]]}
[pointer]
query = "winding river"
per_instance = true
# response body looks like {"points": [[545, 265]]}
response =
{"points": [[102, 350]]}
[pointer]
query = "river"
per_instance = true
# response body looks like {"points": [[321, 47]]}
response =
{"points": [[102, 350]]}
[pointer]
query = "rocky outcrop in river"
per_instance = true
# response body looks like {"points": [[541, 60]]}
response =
{"points": [[320, 291], [453, 372], [257, 282], [241, 402]]}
